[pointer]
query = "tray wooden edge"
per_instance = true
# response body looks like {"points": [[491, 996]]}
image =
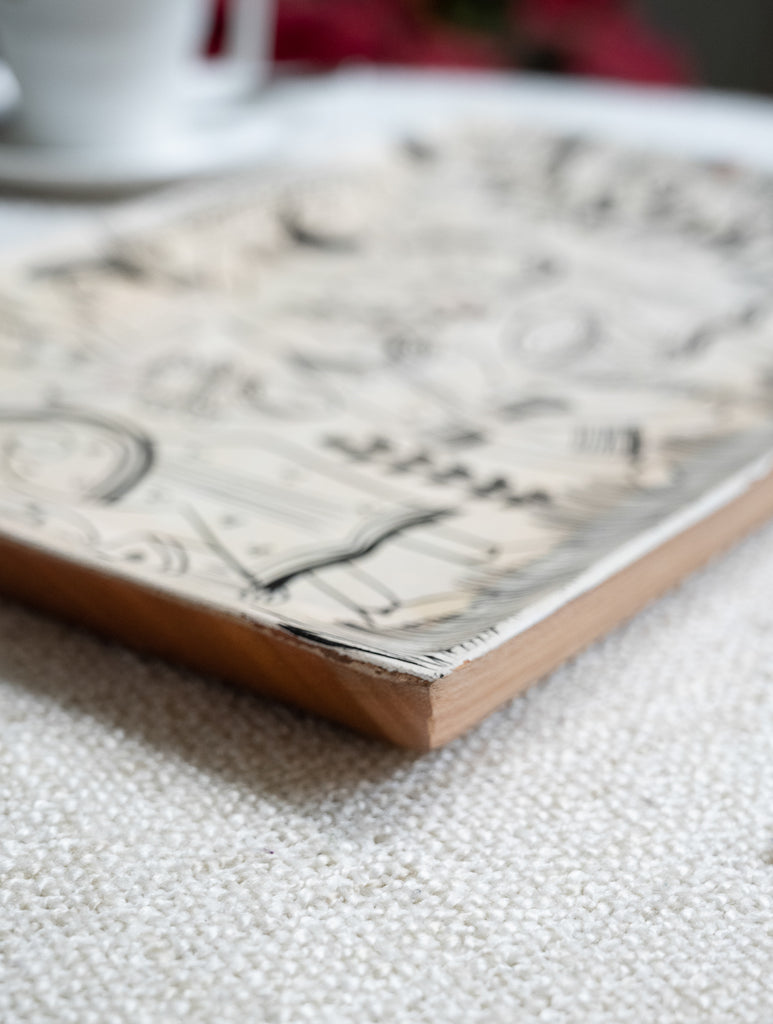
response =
{"points": [[397, 707], [465, 696], [235, 648]]}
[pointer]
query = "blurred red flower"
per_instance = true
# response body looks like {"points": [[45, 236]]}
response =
{"points": [[327, 32], [606, 38]]}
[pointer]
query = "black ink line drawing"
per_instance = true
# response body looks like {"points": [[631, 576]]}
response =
{"points": [[121, 455], [395, 432]]}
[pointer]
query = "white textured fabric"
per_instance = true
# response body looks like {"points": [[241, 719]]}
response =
{"points": [[601, 850]]}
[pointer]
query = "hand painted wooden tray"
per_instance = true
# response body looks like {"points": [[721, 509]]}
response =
{"points": [[392, 443]]}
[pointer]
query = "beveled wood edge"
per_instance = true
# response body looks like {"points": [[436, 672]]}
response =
{"points": [[465, 696], [398, 707], [382, 703]]}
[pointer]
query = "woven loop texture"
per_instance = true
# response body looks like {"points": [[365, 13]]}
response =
{"points": [[599, 851]]}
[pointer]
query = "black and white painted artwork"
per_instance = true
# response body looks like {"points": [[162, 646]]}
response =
{"points": [[405, 410]]}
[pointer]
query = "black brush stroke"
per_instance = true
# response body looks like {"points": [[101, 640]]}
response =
{"points": [[324, 561]]}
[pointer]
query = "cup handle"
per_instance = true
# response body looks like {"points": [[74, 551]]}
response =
{"points": [[245, 62], [9, 89]]}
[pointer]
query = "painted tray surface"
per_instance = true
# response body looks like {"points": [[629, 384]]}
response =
{"points": [[405, 410]]}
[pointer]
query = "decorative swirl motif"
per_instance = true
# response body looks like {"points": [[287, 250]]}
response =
{"points": [[71, 455]]}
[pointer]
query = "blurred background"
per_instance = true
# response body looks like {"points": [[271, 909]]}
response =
{"points": [[719, 43]]}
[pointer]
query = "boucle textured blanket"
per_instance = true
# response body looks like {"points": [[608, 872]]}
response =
{"points": [[601, 850]]}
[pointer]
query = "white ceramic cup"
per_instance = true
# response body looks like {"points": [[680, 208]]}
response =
{"points": [[108, 73]]}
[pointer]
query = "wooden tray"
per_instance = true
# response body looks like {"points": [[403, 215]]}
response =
{"points": [[392, 442]]}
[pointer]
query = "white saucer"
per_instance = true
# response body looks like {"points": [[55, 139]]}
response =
{"points": [[218, 137]]}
